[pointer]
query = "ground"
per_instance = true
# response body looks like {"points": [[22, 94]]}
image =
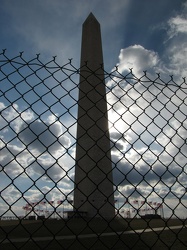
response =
{"points": [[92, 234]]}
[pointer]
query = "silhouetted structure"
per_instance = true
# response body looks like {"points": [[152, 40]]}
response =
{"points": [[93, 194]]}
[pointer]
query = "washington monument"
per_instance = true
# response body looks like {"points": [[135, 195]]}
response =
{"points": [[93, 193]]}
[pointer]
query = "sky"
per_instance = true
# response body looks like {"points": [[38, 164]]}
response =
{"points": [[143, 35]]}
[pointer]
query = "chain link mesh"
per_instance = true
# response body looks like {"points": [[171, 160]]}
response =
{"points": [[38, 122]]}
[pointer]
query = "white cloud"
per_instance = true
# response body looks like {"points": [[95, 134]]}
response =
{"points": [[177, 25], [47, 168], [14, 115], [12, 165], [176, 43], [171, 61], [138, 58], [2, 106]]}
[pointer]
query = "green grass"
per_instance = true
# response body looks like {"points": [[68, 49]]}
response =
{"points": [[154, 240]]}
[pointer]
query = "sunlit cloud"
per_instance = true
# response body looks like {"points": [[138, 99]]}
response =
{"points": [[138, 58]]}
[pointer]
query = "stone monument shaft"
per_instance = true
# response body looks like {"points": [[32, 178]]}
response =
{"points": [[93, 193]]}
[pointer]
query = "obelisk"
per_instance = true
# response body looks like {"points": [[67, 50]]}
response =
{"points": [[93, 192]]}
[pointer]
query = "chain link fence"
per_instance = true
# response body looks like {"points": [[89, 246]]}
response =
{"points": [[38, 122]]}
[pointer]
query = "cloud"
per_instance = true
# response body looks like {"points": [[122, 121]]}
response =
{"points": [[48, 194], [148, 135], [118, 142], [12, 200], [148, 122], [172, 60], [33, 147], [177, 25], [42, 137], [14, 115], [155, 159], [135, 169], [48, 169], [138, 58], [13, 166], [176, 43]]}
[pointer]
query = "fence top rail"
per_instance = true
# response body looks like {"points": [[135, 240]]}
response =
{"points": [[52, 66]]}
